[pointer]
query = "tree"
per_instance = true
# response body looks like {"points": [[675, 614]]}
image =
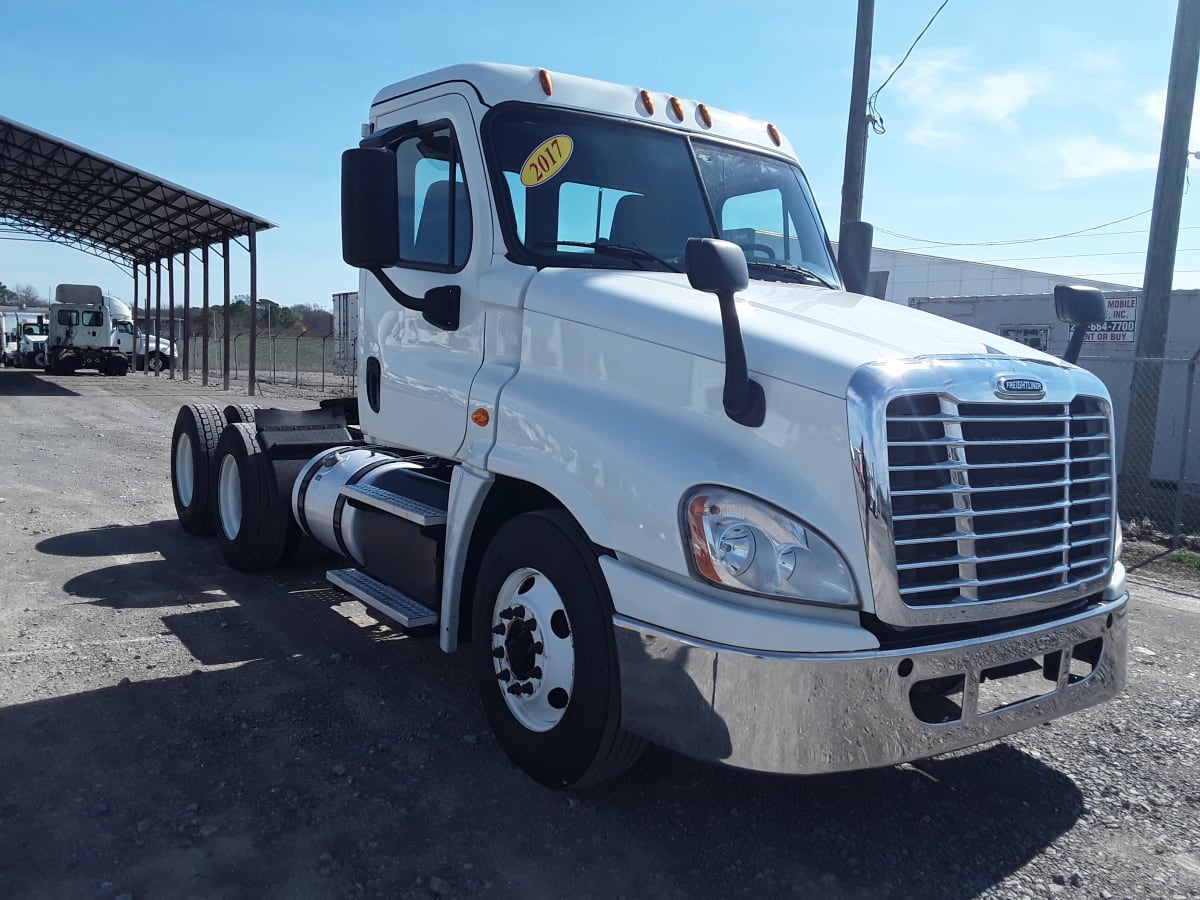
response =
{"points": [[6, 294], [27, 295], [316, 318]]}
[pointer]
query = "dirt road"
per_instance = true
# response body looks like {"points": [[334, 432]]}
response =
{"points": [[170, 728]]}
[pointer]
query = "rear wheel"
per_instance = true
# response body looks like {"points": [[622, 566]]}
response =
{"points": [[194, 441], [240, 412], [544, 656], [256, 529]]}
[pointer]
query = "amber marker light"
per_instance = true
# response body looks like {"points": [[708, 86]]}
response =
{"points": [[480, 417], [647, 102], [705, 115], [544, 78], [774, 133], [676, 108]]}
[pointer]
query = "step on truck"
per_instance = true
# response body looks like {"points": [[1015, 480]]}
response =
{"points": [[623, 436]]}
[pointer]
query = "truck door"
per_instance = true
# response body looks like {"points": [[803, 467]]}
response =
{"points": [[416, 376]]}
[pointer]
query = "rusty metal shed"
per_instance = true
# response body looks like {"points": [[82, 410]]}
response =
{"points": [[61, 192]]}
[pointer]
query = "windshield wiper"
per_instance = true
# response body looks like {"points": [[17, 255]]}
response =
{"points": [[790, 269], [623, 251]]}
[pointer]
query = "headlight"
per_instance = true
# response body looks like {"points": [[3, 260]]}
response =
{"points": [[740, 542]]}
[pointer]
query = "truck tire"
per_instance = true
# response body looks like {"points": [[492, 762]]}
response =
{"points": [[255, 527], [544, 655], [198, 428], [240, 412]]}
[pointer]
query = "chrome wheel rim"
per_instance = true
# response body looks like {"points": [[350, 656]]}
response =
{"points": [[533, 650], [229, 497], [184, 484]]}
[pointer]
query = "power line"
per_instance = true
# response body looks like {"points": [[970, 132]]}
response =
{"points": [[872, 113], [1084, 255], [1052, 237]]}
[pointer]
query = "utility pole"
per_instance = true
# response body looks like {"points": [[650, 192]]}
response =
{"points": [[856, 126], [1160, 261]]}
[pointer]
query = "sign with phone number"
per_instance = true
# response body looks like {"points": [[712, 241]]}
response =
{"points": [[1120, 322]]}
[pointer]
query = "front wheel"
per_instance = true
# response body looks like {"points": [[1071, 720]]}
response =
{"points": [[544, 655]]}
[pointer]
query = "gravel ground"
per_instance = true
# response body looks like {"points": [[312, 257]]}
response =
{"points": [[172, 729]]}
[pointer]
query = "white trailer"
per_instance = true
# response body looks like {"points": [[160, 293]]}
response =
{"points": [[786, 527], [345, 333]]}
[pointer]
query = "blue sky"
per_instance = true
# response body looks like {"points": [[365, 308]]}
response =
{"points": [[1010, 120]]}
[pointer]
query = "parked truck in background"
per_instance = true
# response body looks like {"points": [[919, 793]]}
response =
{"points": [[91, 330], [24, 339], [787, 528]]}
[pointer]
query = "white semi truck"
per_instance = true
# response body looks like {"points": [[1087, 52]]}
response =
{"points": [[93, 330], [787, 528], [24, 339]]}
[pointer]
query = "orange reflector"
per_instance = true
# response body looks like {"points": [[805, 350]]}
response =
{"points": [[677, 108], [544, 78], [774, 133], [705, 115], [647, 102], [480, 417]]}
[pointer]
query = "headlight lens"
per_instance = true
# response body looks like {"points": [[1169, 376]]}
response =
{"points": [[740, 542]]}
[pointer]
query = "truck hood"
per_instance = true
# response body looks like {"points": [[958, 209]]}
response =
{"points": [[803, 334]]}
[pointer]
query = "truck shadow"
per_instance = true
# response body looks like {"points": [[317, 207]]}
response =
{"points": [[330, 758], [30, 384]]}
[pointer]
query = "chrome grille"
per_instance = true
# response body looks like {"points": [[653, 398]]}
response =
{"points": [[998, 501]]}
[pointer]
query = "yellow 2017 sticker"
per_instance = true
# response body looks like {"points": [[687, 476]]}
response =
{"points": [[546, 160]]}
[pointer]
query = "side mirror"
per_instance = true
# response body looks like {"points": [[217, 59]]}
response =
{"points": [[371, 231], [370, 208], [854, 255], [716, 267], [719, 267], [1080, 307]]}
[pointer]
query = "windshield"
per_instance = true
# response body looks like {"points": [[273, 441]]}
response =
{"points": [[33, 329], [587, 190]]}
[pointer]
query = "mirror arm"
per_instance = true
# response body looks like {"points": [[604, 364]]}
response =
{"points": [[743, 397], [1076, 344], [439, 306]]}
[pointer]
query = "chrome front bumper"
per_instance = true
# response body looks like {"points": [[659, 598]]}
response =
{"points": [[810, 713]]}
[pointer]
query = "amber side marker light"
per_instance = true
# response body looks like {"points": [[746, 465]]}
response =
{"points": [[705, 115], [547, 85], [480, 417], [647, 102], [774, 133], [676, 108]]}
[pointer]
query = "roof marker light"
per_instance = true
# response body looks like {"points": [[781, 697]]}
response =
{"points": [[676, 108], [705, 115], [544, 78], [774, 133], [647, 102]]}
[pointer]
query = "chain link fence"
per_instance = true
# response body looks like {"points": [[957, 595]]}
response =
{"points": [[316, 365], [1157, 411]]}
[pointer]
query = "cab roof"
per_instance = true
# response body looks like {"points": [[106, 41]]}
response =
{"points": [[494, 83]]}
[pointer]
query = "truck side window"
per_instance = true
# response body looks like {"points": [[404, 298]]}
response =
{"points": [[92, 319], [435, 208], [68, 317]]}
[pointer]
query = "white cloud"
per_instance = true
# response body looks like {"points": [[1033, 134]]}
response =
{"points": [[1090, 157], [945, 98]]}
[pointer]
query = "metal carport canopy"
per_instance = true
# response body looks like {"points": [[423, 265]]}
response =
{"points": [[69, 195]]}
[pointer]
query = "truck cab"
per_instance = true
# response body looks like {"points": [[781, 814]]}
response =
{"points": [[623, 433], [84, 331]]}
